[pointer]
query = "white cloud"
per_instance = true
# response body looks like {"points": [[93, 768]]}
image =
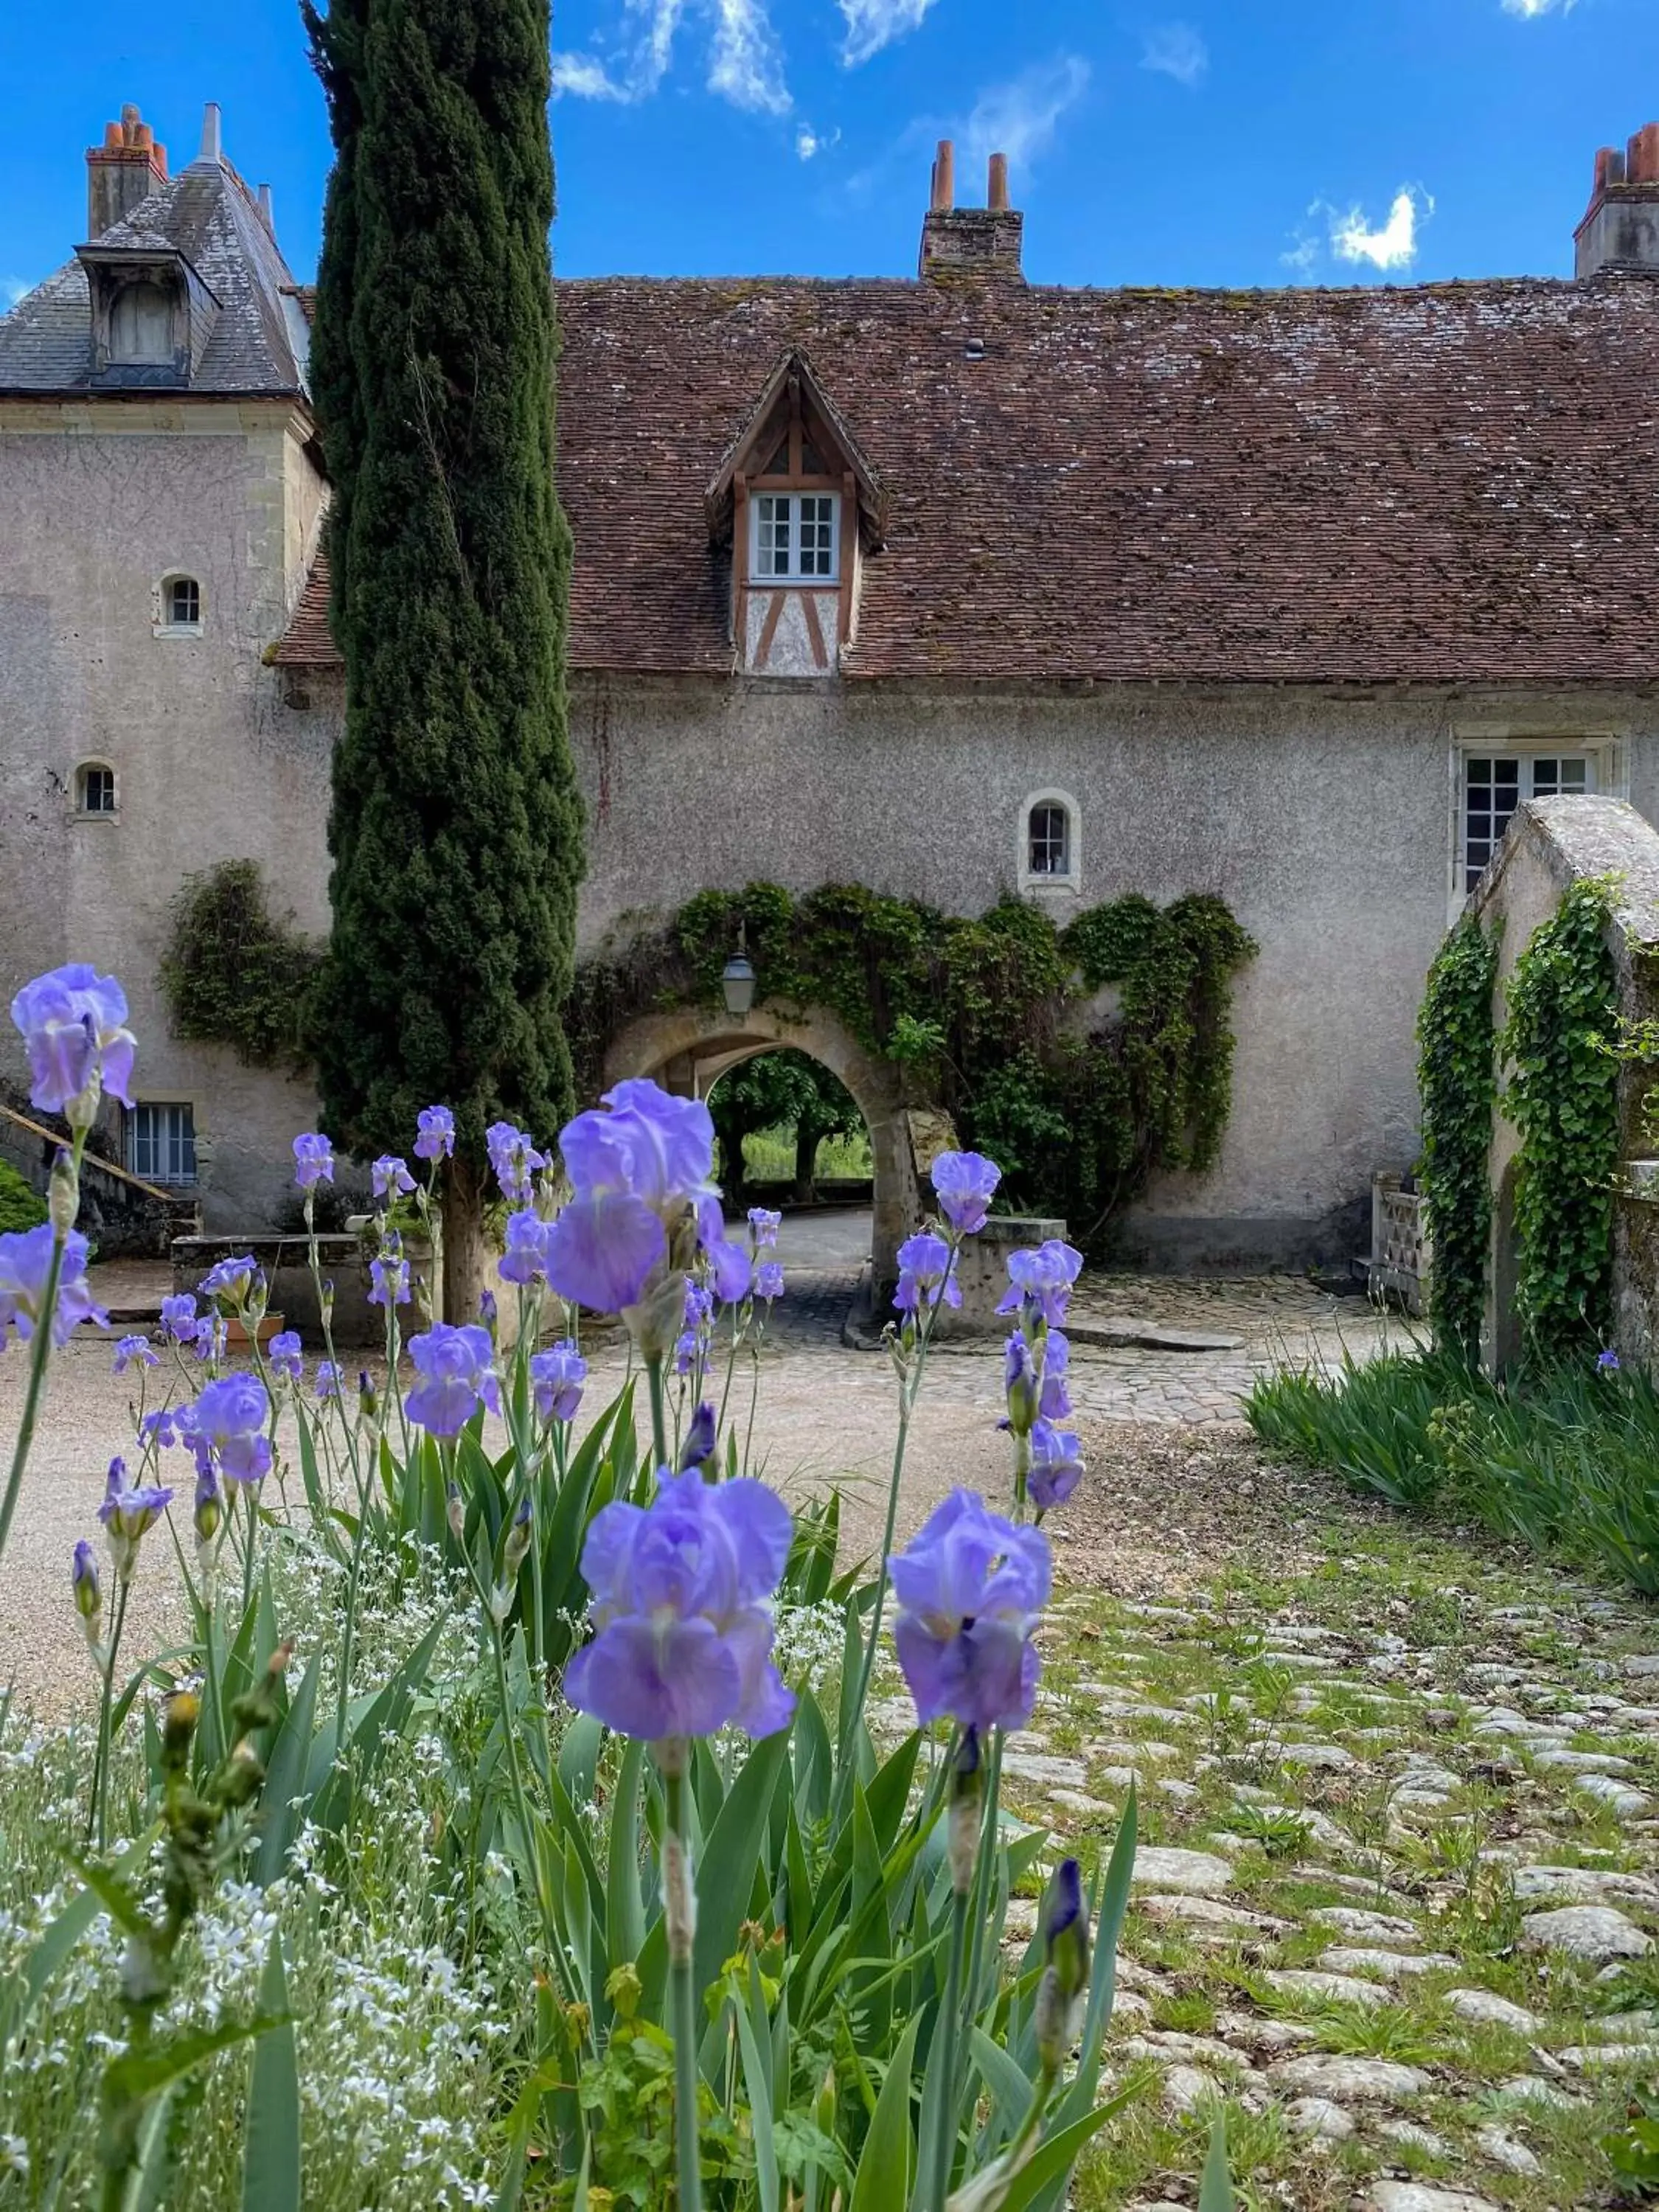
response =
{"points": [[1176, 49], [745, 65], [1019, 118], [12, 289], [873, 24], [1304, 255], [1532, 8], [809, 143], [1394, 244]]}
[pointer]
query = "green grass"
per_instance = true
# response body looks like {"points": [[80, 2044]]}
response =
{"points": [[768, 1156]]}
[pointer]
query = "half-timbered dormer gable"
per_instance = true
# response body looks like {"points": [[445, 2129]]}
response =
{"points": [[800, 507]]}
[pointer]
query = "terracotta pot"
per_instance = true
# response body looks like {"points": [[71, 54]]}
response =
{"points": [[236, 1332]]}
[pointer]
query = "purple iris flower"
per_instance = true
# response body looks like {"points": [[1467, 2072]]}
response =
{"points": [[729, 1269], [965, 1184], [127, 1513], [768, 1281], [525, 1256], [160, 1428], [1056, 1400], [230, 1280], [73, 1026], [635, 1169], [436, 1137], [926, 1274], [388, 1273], [763, 1226], [390, 1175], [83, 1580], [1607, 1362], [456, 1377], [681, 1592], [329, 1376], [284, 1353], [225, 1427], [699, 1443], [206, 1338], [514, 1159], [1056, 1465], [1021, 1384], [971, 1587], [178, 1316], [1042, 1278], [313, 1160], [134, 1348], [557, 1377], [24, 1264]]}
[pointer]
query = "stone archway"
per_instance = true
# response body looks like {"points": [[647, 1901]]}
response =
{"points": [[689, 1049]]}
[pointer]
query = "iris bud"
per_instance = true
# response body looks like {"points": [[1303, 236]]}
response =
{"points": [[88, 1600], [455, 1511], [1065, 1976], [967, 1809], [63, 1195], [699, 1444]]}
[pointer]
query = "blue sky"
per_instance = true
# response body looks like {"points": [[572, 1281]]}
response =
{"points": [[1207, 142]]}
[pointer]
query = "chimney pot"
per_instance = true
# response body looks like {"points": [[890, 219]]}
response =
{"points": [[1620, 228], [1642, 161], [945, 175], [127, 168], [996, 193]]}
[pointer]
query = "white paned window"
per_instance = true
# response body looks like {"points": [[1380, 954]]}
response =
{"points": [[95, 788], [1495, 784], [181, 603], [1048, 840], [795, 537], [161, 1143]]}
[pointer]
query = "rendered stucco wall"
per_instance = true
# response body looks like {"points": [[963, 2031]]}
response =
{"points": [[101, 501]]}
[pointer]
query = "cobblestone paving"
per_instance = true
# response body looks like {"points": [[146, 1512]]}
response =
{"points": [[1394, 1907]]}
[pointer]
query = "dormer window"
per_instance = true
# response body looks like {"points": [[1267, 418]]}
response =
{"points": [[140, 326], [796, 537]]}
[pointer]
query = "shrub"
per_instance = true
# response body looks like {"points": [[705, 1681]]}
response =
{"points": [[22, 1206]]}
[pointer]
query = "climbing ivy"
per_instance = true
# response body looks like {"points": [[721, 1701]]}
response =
{"points": [[1455, 1078], [232, 973], [1560, 1043], [994, 1018]]}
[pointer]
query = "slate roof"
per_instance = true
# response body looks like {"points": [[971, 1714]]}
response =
{"points": [[1449, 484], [257, 343]]}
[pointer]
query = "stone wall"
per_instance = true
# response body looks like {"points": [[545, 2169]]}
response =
{"points": [[1551, 844], [102, 500]]}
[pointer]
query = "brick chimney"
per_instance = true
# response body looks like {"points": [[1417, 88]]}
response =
{"points": [[974, 242], [1621, 229], [127, 168]]}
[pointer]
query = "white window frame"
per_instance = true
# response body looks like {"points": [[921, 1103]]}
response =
{"points": [[759, 503], [1603, 753], [173, 1131], [77, 791], [164, 624], [1038, 879]]}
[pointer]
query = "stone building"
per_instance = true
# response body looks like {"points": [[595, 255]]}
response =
{"points": [[952, 586]]}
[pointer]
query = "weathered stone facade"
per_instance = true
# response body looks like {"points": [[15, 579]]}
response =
{"points": [[1324, 808]]}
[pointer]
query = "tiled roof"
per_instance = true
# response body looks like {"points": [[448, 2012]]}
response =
{"points": [[256, 343], [1449, 484]]}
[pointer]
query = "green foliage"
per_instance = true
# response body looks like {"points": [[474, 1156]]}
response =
{"points": [[1455, 1078], [22, 1206], [233, 973], [1633, 2151], [455, 829], [779, 1090], [988, 1017], [1560, 1457], [1560, 1046]]}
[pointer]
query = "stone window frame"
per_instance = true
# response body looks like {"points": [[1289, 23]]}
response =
{"points": [[78, 805], [1529, 737], [161, 610], [1032, 880]]}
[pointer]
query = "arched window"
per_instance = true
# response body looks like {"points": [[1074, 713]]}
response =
{"points": [[181, 603], [95, 788], [1049, 841], [141, 325]]}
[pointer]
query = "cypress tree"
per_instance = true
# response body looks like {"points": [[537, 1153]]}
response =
{"points": [[455, 830]]}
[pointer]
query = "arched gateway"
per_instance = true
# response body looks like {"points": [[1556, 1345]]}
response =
{"points": [[689, 1049]]}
